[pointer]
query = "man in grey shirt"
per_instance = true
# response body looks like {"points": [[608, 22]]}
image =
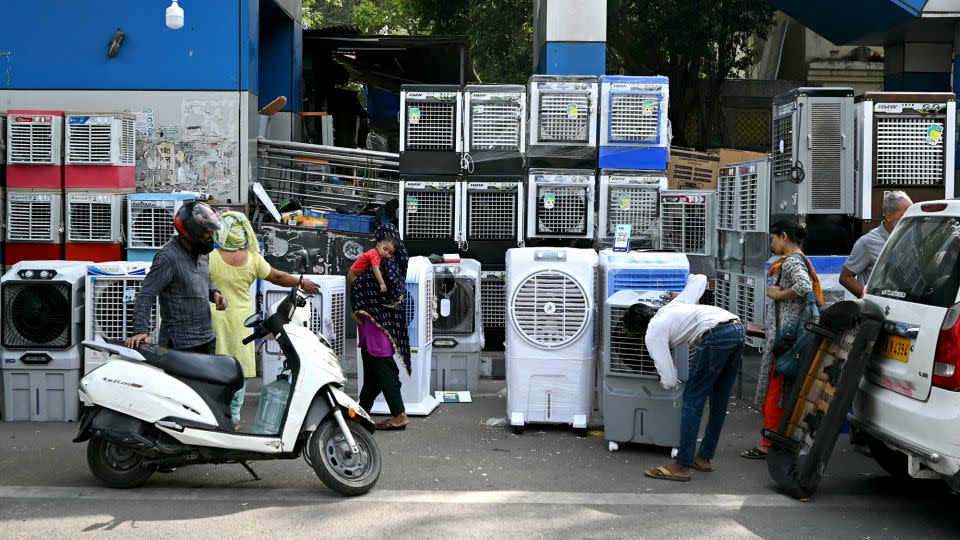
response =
{"points": [[180, 277], [867, 249]]}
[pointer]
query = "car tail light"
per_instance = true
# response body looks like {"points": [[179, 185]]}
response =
{"points": [[933, 207], [946, 361]]}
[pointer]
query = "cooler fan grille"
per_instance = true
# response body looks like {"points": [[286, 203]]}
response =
{"points": [[492, 215], [495, 125], [151, 227], [461, 291], [30, 221], [634, 117], [36, 315], [90, 221], [89, 144], [550, 309], [113, 304], [562, 210], [905, 155], [727, 202], [493, 298], [431, 125], [782, 131], [628, 353], [684, 227], [748, 218], [634, 205], [429, 214], [564, 118], [31, 143]]}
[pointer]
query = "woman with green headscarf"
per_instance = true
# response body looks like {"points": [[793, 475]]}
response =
{"points": [[234, 266]]}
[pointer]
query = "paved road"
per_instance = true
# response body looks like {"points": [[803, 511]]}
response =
{"points": [[449, 475]]}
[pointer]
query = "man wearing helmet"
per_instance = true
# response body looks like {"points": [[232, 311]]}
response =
{"points": [[180, 278]]}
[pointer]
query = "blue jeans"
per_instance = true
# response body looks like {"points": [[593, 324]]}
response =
{"points": [[712, 376]]}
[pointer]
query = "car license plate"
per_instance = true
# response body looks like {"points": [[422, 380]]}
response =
{"points": [[895, 347]]}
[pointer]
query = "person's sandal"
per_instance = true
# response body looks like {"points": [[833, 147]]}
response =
{"points": [[753, 453], [663, 473], [386, 426]]}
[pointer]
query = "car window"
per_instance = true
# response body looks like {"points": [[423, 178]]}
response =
{"points": [[919, 262]]}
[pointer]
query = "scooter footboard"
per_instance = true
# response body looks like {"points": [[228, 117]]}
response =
{"points": [[320, 409]]}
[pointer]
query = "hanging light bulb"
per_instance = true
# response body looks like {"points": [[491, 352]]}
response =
{"points": [[174, 16]]}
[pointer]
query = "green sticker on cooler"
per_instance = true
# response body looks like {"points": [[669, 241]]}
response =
{"points": [[413, 115], [624, 202], [648, 106], [549, 200], [411, 204], [572, 111], [935, 134]]}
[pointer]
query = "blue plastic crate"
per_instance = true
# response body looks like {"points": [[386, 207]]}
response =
{"points": [[350, 222], [635, 279]]}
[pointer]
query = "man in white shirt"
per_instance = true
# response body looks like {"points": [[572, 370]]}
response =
{"points": [[718, 337]]}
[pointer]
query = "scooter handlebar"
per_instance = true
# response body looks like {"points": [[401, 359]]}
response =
{"points": [[261, 332]]}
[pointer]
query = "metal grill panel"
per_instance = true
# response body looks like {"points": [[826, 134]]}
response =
{"points": [[635, 205], [749, 202], [639, 279], [90, 221], [634, 117], [428, 310], [628, 353], [128, 142], [431, 125], [727, 202], [782, 130], [493, 300], [684, 227], [113, 304], [826, 156], [89, 143], [564, 117], [550, 309], [337, 311], [429, 214], [492, 215], [150, 227], [31, 143], [30, 221], [495, 125], [568, 213], [722, 294], [904, 158], [746, 302]]}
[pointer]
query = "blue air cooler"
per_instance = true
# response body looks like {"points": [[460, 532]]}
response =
{"points": [[634, 129], [150, 222], [642, 271]]}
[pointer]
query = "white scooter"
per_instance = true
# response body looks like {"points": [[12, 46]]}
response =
{"points": [[153, 407]]}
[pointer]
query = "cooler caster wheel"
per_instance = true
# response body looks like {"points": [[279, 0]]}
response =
{"points": [[580, 432], [612, 446], [518, 430]]}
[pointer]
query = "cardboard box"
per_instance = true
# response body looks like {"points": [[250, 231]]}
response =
{"points": [[729, 155], [690, 169]]}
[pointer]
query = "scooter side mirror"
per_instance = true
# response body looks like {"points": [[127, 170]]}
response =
{"points": [[303, 261], [253, 320]]}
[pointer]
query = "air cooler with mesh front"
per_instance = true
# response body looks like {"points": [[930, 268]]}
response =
{"points": [[100, 150], [549, 346], [494, 129], [327, 318], [33, 226], [630, 198], [150, 222], [563, 122], [458, 336], [493, 216], [419, 306], [42, 328], [687, 222], [94, 226], [493, 301], [111, 293], [3, 149], [812, 151], [34, 142], [634, 128], [905, 141], [430, 129], [430, 214], [642, 271], [560, 203], [636, 408]]}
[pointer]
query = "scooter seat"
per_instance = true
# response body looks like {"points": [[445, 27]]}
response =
{"points": [[212, 368]]}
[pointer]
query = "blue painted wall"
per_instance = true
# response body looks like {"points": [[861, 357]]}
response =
{"points": [[281, 48], [573, 58], [62, 44]]}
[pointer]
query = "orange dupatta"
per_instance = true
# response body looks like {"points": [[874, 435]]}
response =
{"points": [[775, 269]]}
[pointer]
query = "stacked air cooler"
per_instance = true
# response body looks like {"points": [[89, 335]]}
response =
{"points": [[641, 271], [636, 408], [150, 222], [111, 293], [34, 186], [634, 150], [550, 335], [430, 215], [327, 319], [43, 308], [560, 203], [905, 141], [743, 292], [99, 173], [458, 334], [687, 222], [493, 307], [420, 308]]}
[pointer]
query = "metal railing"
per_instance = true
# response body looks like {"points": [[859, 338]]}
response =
{"points": [[327, 177]]}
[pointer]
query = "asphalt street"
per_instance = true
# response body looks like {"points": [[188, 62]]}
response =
{"points": [[454, 475]]}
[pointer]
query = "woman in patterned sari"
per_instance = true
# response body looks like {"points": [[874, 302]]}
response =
{"points": [[382, 331]]}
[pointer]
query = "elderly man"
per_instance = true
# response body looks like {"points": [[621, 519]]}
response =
{"points": [[867, 249]]}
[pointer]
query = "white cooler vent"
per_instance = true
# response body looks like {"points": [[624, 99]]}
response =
{"points": [[495, 120], [100, 139], [564, 117], [687, 222], [826, 155], [727, 197], [431, 121], [430, 210], [904, 158], [112, 307], [33, 139], [493, 299], [93, 217], [783, 131], [33, 217], [634, 118], [550, 309], [493, 213], [150, 222]]}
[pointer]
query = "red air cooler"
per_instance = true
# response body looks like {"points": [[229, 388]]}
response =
{"points": [[33, 149], [93, 225], [100, 151], [33, 226]]}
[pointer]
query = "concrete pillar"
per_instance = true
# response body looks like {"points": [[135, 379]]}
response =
{"points": [[570, 37]]}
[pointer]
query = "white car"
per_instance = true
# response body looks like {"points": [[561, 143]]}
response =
{"points": [[908, 402]]}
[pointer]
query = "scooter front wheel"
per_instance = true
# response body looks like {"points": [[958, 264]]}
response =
{"points": [[116, 466], [337, 467]]}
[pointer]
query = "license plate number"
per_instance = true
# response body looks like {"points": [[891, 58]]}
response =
{"points": [[896, 348]]}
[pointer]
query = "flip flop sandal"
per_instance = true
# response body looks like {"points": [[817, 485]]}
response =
{"points": [[663, 473], [701, 469], [390, 427], [753, 453]]}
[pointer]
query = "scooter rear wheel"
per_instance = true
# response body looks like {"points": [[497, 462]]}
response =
{"points": [[116, 466], [346, 474]]}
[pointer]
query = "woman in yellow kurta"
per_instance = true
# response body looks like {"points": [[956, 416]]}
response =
{"points": [[234, 266]]}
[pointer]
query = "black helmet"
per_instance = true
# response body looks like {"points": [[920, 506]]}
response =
{"points": [[192, 221]]}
